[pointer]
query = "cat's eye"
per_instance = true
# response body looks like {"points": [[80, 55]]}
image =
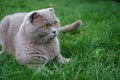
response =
{"points": [[54, 24], [45, 27]]}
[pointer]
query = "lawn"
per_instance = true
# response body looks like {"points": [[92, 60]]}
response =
{"points": [[94, 48]]}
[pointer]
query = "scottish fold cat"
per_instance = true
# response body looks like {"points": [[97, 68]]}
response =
{"points": [[32, 37]]}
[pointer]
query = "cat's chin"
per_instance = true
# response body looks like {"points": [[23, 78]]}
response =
{"points": [[48, 40], [53, 37]]}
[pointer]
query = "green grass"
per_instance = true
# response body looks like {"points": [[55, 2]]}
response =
{"points": [[94, 48]]}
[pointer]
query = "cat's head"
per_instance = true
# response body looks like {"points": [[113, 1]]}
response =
{"points": [[43, 25]]}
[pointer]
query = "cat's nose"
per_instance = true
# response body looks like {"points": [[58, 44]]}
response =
{"points": [[54, 32]]}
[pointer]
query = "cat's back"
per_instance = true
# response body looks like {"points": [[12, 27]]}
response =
{"points": [[16, 20], [12, 22], [9, 26]]}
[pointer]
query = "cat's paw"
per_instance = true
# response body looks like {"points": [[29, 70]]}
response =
{"points": [[67, 60], [62, 59]]}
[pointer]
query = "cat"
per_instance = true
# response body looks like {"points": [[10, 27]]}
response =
{"points": [[32, 37]]}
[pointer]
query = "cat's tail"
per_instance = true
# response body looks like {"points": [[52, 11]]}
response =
{"points": [[71, 26]]}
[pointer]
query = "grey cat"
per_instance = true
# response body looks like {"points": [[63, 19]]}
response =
{"points": [[32, 37]]}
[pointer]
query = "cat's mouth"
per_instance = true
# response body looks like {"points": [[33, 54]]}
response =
{"points": [[55, 35]]}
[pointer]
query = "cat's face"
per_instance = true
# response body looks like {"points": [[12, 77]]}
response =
{"points": [[44, 24]]}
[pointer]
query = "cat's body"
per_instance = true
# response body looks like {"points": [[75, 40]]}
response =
{"points": [[32, 37], [8, 29]]}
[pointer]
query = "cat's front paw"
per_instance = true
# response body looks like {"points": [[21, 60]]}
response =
{"points": [[67, 60], [64, 60]]}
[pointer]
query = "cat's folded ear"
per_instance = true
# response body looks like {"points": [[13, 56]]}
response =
{"points": [[33, 16]]}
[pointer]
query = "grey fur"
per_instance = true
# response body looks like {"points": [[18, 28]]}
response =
{"points": [[22, 36]]}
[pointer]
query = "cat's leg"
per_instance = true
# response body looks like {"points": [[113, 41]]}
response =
{"points": [[62, 59], [32, 60], [71, 26]]}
